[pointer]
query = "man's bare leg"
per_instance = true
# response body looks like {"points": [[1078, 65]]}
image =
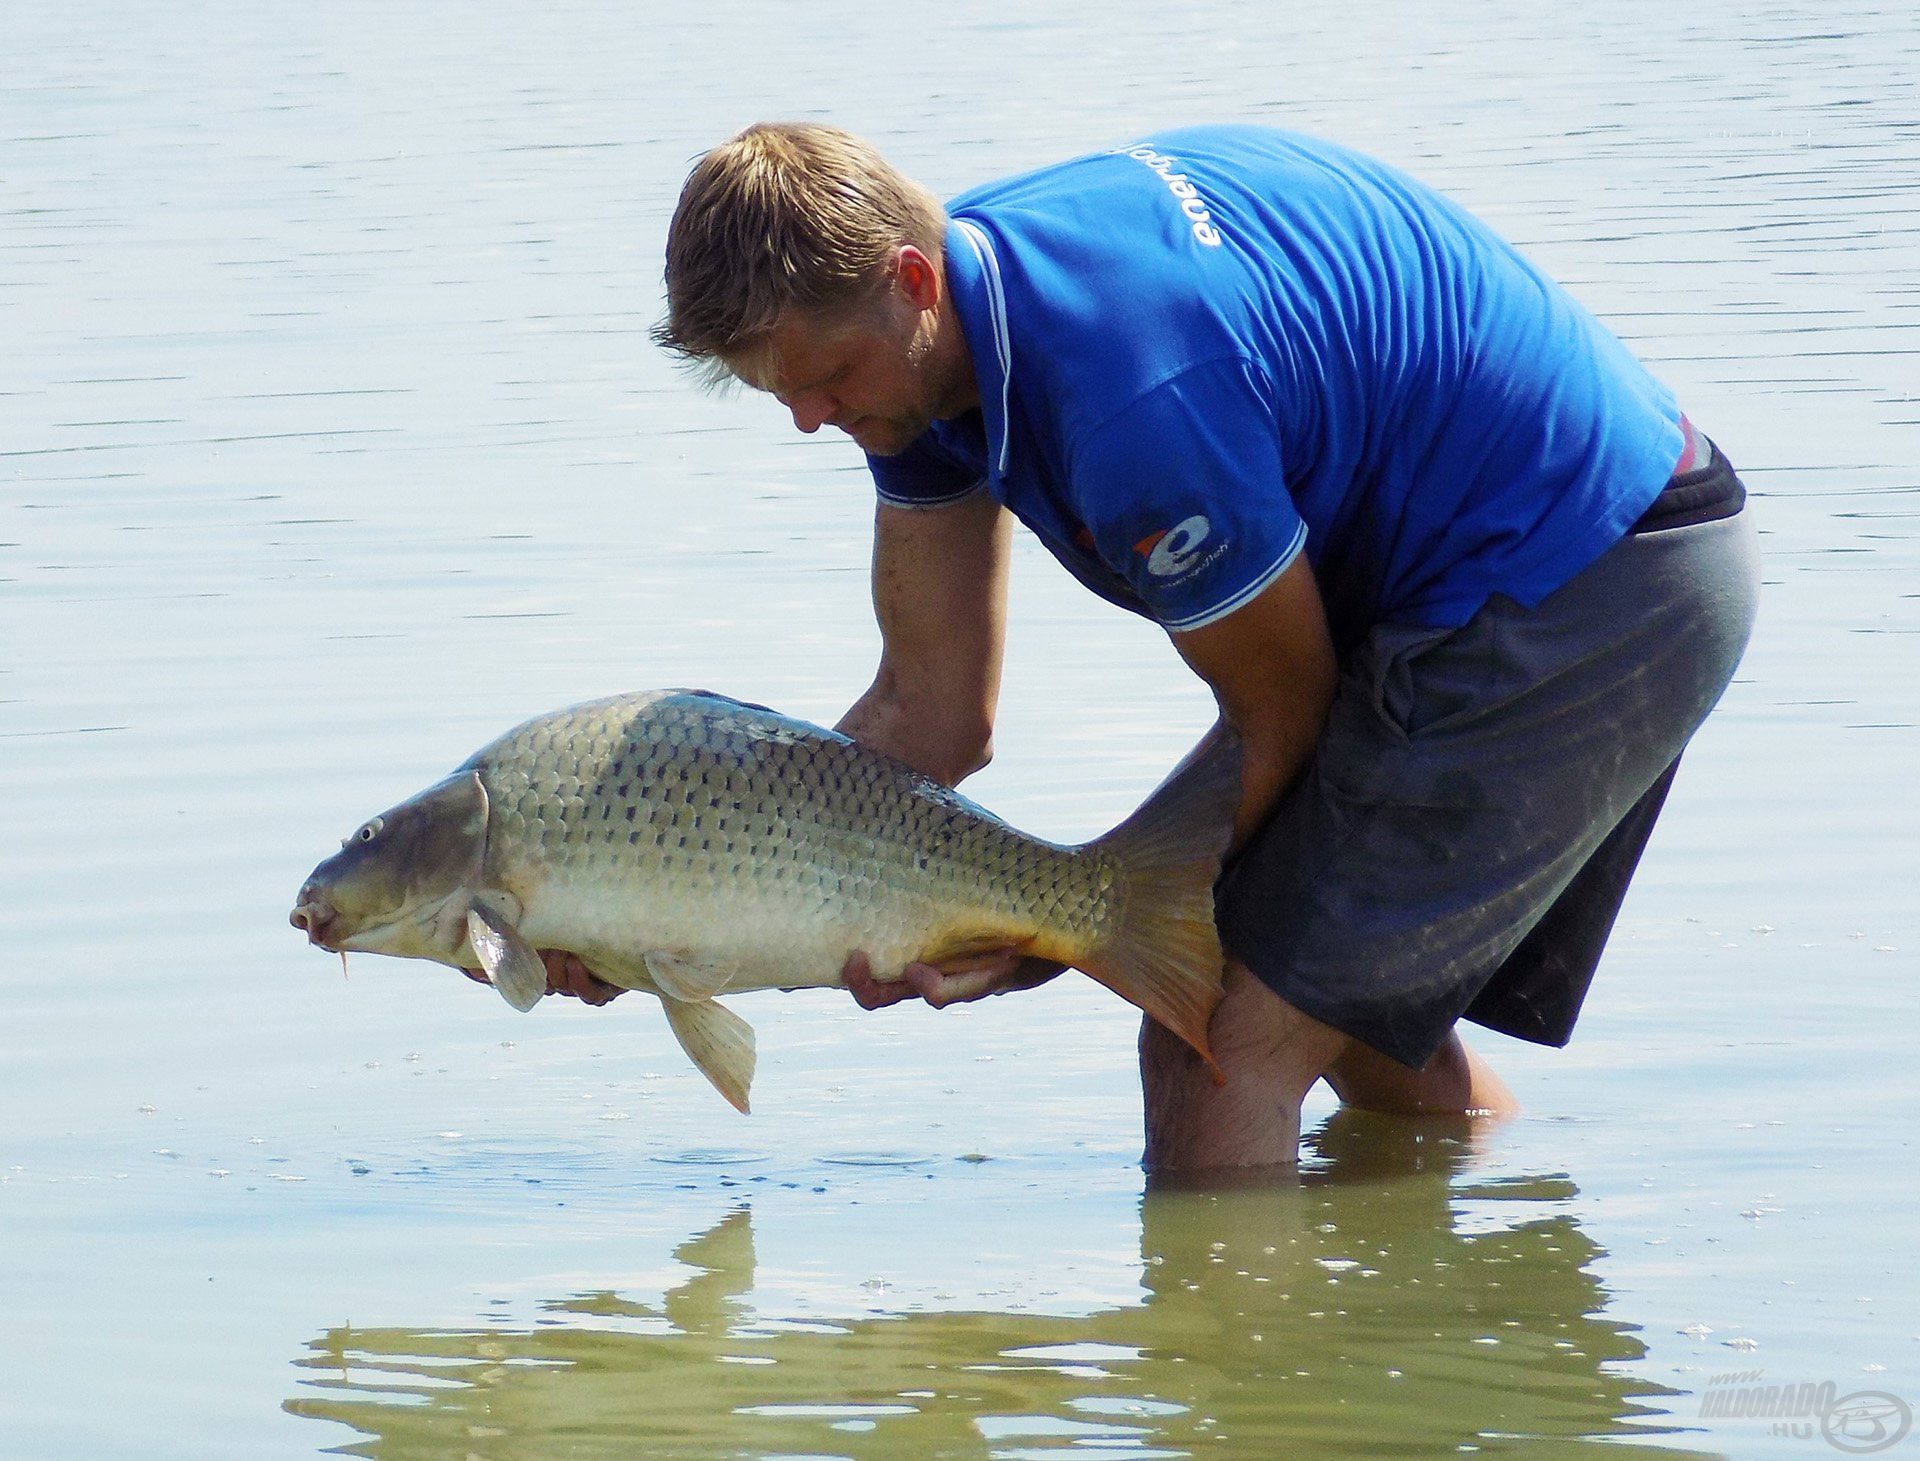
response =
{"points": [[1455, 1081], [1271, 1055]]}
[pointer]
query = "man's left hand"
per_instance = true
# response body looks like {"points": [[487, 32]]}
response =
{"points": [[952, 981]]}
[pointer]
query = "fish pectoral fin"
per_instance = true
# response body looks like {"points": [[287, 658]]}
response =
{"points": [[681, 978], [719, 1042], [510, 961]]}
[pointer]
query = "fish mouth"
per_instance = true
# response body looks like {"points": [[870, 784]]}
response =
{"points": [[314, 918], [326, 929]]}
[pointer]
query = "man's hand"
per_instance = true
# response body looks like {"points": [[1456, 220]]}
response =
{"points": [[952, 981], [566, 974]]}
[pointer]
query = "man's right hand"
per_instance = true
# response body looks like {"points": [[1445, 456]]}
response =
{"points": [[952, 981]]}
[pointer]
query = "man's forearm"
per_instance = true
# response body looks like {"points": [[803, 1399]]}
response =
{"points": [[1270, 764], [1271, 667], [939, 596]]}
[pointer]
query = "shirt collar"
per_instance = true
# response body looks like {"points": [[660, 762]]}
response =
{"points": [[973, 274]]}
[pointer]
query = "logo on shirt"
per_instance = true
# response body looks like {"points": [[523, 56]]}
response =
{"points": [[1178, 550], [1177, 183]]}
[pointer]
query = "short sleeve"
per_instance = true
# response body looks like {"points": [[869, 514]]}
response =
{"points": [[937, 469], [1184, 493]]}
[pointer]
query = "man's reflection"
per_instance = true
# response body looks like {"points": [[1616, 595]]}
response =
{"points": [[1345, 1309]]}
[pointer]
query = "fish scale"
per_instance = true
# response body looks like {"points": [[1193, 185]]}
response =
{"points": [[686, 844], [842, 848]]}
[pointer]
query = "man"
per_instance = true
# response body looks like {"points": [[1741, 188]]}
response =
{"points": [[1457, 570]]}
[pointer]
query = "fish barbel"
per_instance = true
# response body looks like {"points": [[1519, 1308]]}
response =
{"points": [[688, 845]]}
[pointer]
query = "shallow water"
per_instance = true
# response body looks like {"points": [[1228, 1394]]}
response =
{"points": [[331, 444]]}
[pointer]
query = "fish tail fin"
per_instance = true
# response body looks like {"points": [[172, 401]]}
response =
{"points": [[1162, 950]]}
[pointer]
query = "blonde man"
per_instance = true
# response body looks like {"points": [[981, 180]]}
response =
{"points": [[1457, 570]]}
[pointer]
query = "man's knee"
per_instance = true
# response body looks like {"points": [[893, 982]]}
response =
{"points": [[1454, 1081], [1255, 1035], [1269, 1054], [1362, 1076]]}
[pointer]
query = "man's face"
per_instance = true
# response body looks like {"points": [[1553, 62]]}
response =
{"points": [[872, 378]]}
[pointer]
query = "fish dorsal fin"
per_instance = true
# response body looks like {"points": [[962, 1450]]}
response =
{"points": [[681, 978], [510, 961], [719, 1042]]}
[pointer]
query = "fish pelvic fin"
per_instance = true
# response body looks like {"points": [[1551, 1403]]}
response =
{"points": [[1161, 949], [510, 961], [682, 978], [719, 1042]]}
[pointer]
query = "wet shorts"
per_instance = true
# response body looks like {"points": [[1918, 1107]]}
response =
{"points": [[1465, 834]]}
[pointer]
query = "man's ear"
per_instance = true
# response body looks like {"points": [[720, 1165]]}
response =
{"points": [[917, 277]]}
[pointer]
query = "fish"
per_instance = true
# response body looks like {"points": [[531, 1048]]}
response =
{"points": [[690, 845]]}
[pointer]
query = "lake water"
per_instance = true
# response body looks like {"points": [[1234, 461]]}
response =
{"points": [[331, 444]]}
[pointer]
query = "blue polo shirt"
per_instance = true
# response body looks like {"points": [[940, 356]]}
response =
{"points": [[1203, 354]]}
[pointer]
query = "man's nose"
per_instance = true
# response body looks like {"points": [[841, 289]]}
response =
{"points": [[812, 410]]}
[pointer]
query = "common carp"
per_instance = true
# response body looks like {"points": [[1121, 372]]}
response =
{"points": [[686, 844]]}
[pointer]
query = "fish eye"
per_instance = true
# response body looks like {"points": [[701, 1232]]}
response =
{"points": [[367, 833]]}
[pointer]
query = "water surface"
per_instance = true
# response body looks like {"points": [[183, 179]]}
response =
{"points": [[331, 444]]}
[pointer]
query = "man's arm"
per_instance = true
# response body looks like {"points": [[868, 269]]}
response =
{"points": [[940, 596], [1271, 667]]}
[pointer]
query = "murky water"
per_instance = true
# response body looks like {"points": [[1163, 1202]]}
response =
{"points": [[330, 444]]}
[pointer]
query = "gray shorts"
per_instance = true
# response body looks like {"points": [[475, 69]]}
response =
{"points": [[1462, 841]]}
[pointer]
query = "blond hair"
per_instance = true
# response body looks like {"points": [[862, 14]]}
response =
{"points": [[785, 216]]}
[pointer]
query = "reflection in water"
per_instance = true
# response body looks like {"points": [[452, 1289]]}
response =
{"points": [[1371, 1307]]}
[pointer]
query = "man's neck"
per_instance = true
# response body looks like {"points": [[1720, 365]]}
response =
{"points": [[953, 360]]}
